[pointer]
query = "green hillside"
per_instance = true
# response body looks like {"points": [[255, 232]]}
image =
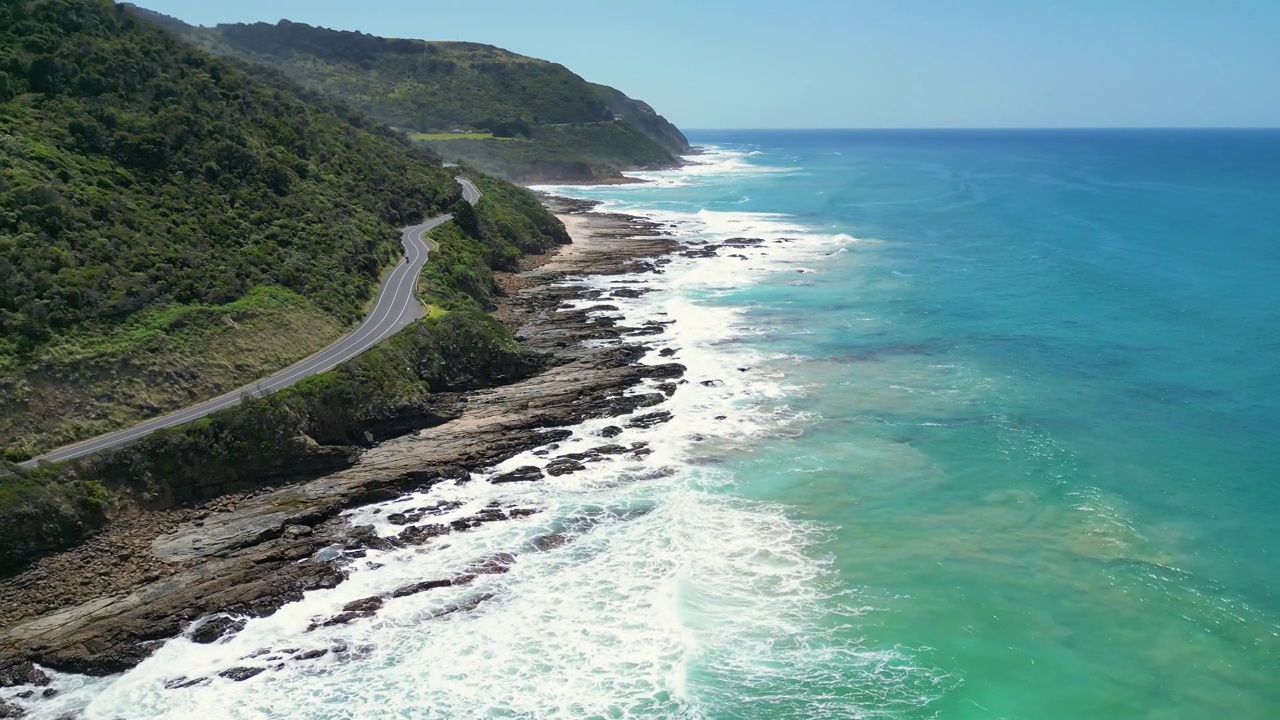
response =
{"points": [[172, 226], [571, 128]]}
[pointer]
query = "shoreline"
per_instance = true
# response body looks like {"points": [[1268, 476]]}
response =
{"points": [[155, 572]]}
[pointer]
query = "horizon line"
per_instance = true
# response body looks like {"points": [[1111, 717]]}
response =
{"points": [[923, 128]]}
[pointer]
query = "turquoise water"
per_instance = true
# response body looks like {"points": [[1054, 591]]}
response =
{"points": [[1044, 398], [985, 428]]}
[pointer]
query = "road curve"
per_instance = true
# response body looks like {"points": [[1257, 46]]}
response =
{"points": [[395, 307]]}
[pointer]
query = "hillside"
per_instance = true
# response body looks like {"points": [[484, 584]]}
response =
{"points": [[554, 124], [173, 226]]}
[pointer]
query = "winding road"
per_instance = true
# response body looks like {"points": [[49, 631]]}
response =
{"points": [[396, 306]]}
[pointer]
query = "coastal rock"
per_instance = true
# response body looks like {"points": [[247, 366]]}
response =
{"points": [[524, 473], [550, 541], [339, 619], [22, 673], [464, 606], [494, 564], [650, 420], [564, 466], [369, 604], [216, 628], [610, 431], [9, 710], [240, 674], [419, 587], [183, 681], [418, 534], [311, 654]]}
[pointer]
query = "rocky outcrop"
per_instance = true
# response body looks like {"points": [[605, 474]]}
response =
{"points": [[246, 558]]}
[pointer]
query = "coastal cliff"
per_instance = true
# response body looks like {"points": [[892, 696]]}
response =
{"points": [[521, 118]]}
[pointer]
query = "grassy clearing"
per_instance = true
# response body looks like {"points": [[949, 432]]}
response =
{"points": [[100, 380], [456, 136]]}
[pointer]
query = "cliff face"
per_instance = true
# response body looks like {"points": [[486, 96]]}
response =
{"points": [[543, 116], [645, 119]]}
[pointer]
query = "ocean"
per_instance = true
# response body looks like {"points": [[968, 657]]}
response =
{"points": [[985, 427]]}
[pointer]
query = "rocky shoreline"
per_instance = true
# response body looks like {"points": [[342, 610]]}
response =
{"points": [[103, 607]]}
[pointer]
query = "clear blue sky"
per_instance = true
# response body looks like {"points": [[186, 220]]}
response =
{"points": [[856, 63]]}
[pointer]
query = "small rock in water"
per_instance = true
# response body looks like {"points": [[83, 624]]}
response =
{"points": [[550, 541], [525, 473], [610, 431], [418, 587], [369, 604], [183, 681], [650, 420], [564, 466], [418, 534], [713, 383], [240, 674], [312, 654], [666, 352], [216, 628], [494, 564]]}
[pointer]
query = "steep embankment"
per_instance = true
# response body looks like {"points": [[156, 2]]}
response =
{"points": [[553, 124], [173, 226], [155, 201]]}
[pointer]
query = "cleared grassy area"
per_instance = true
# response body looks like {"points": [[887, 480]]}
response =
{"points": [[98, 381], [456, 136]]}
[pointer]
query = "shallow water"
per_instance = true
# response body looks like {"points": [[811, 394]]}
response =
{"points": [[997, 443]]}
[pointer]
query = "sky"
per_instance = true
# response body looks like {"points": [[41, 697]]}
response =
{"points": [[863, 64]]}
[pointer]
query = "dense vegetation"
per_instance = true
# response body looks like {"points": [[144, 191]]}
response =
{"points": [[312, 426], [138, 171], [153, 199], [159, 205], [434, 87]]}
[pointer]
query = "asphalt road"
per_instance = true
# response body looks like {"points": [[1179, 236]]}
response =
{"points": [[395, 307]]}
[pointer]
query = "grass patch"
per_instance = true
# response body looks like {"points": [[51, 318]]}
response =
{"points": [[456, 136], [100, 380]]}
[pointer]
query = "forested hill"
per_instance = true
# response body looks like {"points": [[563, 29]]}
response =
{"points": [[159, 206], [550, 122]]}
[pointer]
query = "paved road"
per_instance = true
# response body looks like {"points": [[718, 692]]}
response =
{"points": [[396, 306], [469, 191]]}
